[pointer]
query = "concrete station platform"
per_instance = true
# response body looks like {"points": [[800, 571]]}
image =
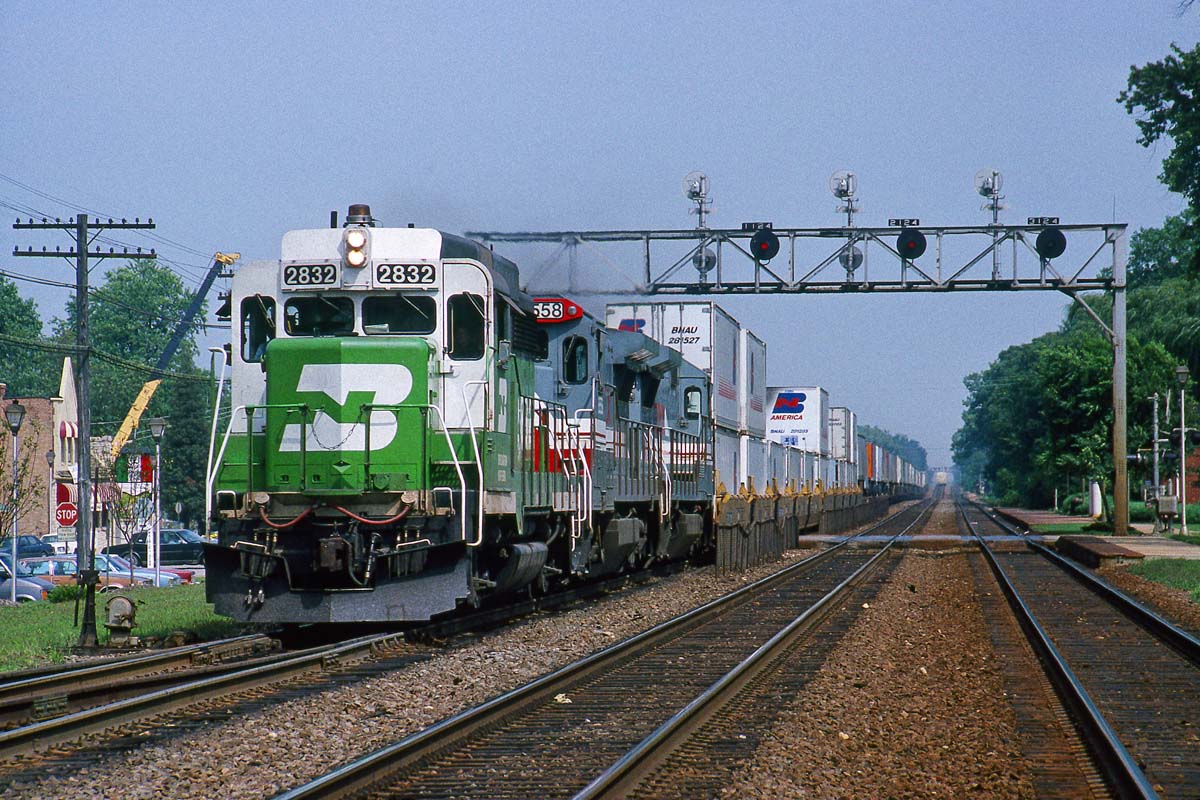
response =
{"points": [[1100, 550]]}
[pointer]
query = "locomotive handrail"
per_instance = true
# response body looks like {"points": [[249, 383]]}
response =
{"points": [[212, 443], [250, 409], [587, 470], [475, 444], [555, 410], [212, 477], [462, 481], [664, 512]]}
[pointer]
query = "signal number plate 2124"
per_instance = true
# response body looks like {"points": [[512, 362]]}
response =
{"points": [[405, 274]]}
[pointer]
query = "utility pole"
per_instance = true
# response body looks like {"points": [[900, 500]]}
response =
{"points": [[79, 228]]}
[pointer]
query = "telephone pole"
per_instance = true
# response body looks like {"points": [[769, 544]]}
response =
{"points": [[78, 228]]}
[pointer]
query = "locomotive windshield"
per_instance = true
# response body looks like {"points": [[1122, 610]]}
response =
{"points": [[399, 314], [258, 326], [319, 316], [467, 338]]}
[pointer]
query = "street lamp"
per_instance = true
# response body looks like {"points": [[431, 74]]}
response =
{"points": [[15, 415], [1182, 374], [50, 497], [158, 426]]}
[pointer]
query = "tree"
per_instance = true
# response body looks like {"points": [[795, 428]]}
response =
{"points": [[28, 371], [132, 316], [1166, 92], [30, 491], [1040, 416], [126, 497], [908, 449], [1158, 254]]}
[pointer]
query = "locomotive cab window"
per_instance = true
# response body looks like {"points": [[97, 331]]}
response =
{"points": [[319, 316], [691, 402], [575, 359], [399, 314], [258, 326], [467, 323]]}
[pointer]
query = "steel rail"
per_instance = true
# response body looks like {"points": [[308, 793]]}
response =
{"points": [[48, 694], [49, 733], [1114, 761], [1166, 631], [625, 774], [370, 769]]}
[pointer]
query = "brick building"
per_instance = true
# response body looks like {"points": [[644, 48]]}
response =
{"points": [[35, 438]]}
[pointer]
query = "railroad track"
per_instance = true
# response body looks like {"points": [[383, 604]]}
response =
{"points": [[142, 713], [43, 709], [1129, 679], [41, 694], [586, 727]]}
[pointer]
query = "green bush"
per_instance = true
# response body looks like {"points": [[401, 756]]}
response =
{"points": [[65, 592], [1074, 504]]}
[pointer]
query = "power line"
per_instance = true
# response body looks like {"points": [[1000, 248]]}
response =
{"points": [[66, 349], [182, 268], [104, 295], [85, 209]]}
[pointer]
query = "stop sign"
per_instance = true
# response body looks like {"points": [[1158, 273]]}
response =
{"points": [[67, 514]]}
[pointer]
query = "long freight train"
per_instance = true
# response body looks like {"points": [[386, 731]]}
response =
{"points": [[411, 432]]}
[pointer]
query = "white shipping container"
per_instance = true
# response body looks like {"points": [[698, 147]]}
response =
{"points": [[704, 333], [839, 432], [728, 458], [853, 436], [752, 383], [754, 462], [777, 463], [799, 417]]}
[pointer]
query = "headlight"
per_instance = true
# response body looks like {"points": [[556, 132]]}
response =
{"points": [[357, 245]]}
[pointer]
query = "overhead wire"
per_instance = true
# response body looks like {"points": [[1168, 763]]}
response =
{"points": [[102, 294], [183, 268], [118, 361]]}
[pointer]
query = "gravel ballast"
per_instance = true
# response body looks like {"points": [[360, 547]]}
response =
{"points": [[906, 706], [299, 739]]}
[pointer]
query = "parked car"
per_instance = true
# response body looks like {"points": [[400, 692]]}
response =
{"points": [[61, 570], [109, 563], [179, 546], [29, 588], [27, 546]]}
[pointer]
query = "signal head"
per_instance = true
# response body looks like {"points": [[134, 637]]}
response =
{"points": [[843, 184], [695, 185], [910, 243], [764, 245], [1051, 243], [988, 181]]}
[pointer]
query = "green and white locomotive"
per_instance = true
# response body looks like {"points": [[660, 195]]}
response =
{"points": [[410, 432]]}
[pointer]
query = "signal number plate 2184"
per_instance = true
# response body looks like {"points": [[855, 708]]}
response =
{"points": [[405, 274], [310, 275]]}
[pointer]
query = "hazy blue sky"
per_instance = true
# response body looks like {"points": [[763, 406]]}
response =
{"points": [[231, 123]]}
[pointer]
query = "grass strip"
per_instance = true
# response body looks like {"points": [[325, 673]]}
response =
{"points": [[38, 633], [1177, 573]]}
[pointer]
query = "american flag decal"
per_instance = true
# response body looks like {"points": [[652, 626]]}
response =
{"points": [[725, 389]]}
